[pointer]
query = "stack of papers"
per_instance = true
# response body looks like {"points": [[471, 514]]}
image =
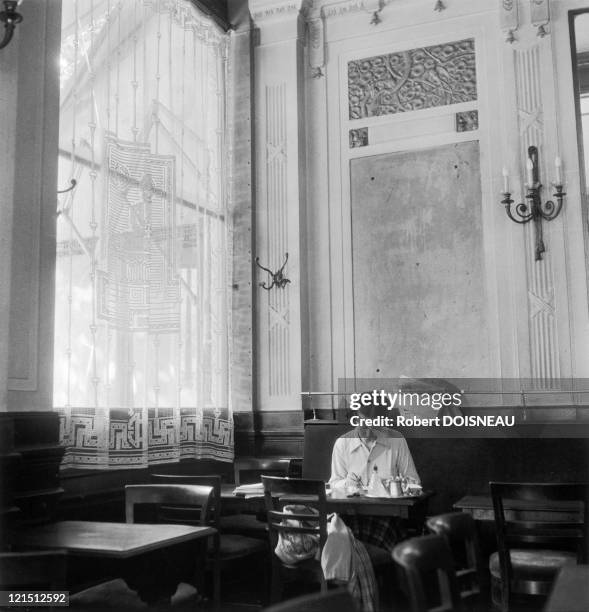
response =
{"points": [[250, 490]]}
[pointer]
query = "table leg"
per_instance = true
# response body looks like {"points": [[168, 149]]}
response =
{"points": [[216, 572]]}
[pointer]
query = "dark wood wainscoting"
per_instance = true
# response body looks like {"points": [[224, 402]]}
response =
{"points": [[272, 433], [30, 456]]}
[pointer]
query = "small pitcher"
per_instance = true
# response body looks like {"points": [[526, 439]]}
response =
{"points": [[395, 488]]}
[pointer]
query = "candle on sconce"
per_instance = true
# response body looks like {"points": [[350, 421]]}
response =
{"points": [[558, 166], [505, 174], [530, 172]]}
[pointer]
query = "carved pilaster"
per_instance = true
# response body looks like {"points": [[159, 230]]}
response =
{"points": [[280, 151], [544, 343]]}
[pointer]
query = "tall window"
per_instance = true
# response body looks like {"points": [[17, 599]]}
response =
{"points": [[141, 329]]}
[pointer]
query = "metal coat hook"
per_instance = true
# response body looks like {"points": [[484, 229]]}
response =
{"points": [[278, 277], [73, 184]]}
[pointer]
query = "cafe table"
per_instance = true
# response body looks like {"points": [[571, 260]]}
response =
{"points": [[481, 508], [152, 558], [412, 508], [570, 592]]}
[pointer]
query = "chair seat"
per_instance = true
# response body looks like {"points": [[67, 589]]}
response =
{"points": [[244, 524], [378, 556], [533, 564], [116, 595], [233, 546]]}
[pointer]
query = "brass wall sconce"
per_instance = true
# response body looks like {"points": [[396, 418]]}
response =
{"points": [[278, 278], [9, 17], [534, 209]]}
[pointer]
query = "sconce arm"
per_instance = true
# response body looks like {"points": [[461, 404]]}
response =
{"points": [[10, 18], [549, 210], [522, 210]]}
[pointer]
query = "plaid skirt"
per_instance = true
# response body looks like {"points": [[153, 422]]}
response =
{"points": [[382, 531]]}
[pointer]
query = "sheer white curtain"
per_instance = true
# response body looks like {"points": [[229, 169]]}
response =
{"points": [[141, 330]]}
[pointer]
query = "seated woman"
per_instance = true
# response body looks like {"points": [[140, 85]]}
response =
{"points": [[355, 456]]}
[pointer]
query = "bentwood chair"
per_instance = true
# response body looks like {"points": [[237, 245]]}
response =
{"points": [[305, 518], [233, 548], [428, 570], [459, 529], [540, 528]]}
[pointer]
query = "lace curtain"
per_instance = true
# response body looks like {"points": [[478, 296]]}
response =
{"points": [[141, 329]]}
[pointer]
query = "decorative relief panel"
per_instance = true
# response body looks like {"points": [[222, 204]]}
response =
{"points": [[412, 80], [358, 138], [467, 121]]}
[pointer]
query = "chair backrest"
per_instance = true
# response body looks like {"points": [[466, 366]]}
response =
{"points": [[541, 515], [335, 600], [33, 571], [459, 528], [428, 569], [248, 470], [318, 447], [197, 497], [182, 515], [279, 492]]}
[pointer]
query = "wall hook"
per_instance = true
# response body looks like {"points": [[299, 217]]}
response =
{"points": [[73, 184], [278, 277]]}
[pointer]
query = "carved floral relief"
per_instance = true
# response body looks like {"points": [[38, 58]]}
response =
{"points": [[412, 80]]}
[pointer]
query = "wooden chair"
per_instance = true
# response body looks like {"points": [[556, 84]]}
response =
{"points": [[536, 536], [280, 523], [428, 571], [232, 547], [248, 470], [335, 600], [459, 529], [198, 497]]}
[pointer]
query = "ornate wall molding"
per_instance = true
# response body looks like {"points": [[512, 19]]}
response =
{"points": [[316, 45], [509, 19], [540, 15], [270, 9], [347, 7], [410, 80]]}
